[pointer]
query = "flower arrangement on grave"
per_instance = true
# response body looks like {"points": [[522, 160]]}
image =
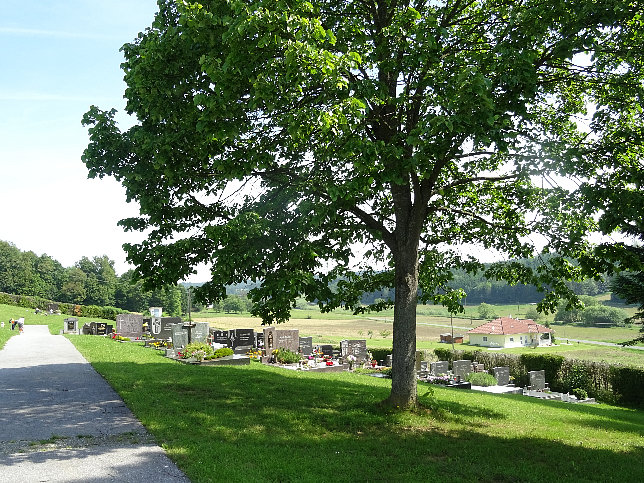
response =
{"points": [[197, 350], [351, 359], [254, 354], [442, 379], [374, 363], [329, 362]]}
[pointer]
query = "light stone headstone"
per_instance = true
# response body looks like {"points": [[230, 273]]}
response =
{"points": [[389, 360], [537, 380], [70, 325], [129, 325], [438, 368], [200, 332], [462, 368], [179, 336], [357, 348], [502, 375]]}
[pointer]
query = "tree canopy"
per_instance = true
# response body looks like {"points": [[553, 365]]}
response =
{"points": [[373, 141]]}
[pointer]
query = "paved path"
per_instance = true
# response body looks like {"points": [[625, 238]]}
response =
{"points": [[599, 342], [61, 422]]}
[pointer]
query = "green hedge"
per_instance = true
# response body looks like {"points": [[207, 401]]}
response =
{"points": [[611, 384], [33, 302]]}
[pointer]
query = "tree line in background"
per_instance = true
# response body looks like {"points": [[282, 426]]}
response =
{"points": [[89, 282], [94, 282]]}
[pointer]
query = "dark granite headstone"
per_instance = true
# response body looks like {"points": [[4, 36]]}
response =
{"points": [[70, 325], [287, 339], [220, 337], [502, 375], [440, 367], [462, 368], [326, 349], [357, 348], [100, 328], [161, 327], [129, 325], [179, 336], [259, 339], [537, 380], [423, 366], [244, 338], [306, 346]]}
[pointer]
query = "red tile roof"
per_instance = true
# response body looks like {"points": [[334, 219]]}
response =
{"points": [[508, 325]]}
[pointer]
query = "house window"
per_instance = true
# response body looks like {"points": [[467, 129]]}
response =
{"points": [[484, 339], [511, 339]]}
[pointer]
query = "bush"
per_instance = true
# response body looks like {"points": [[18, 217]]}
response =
{"points": [[481, 379], [380, 354], [580, 393], [223, 352], [285, 356], [600, 314]]}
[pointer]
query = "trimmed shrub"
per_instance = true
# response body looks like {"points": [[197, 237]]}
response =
{"points": [[285, 356], [481, 379], [380, 354], [223, 352]]}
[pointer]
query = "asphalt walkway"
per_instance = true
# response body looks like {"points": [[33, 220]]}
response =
{"points": [[61, 422]]}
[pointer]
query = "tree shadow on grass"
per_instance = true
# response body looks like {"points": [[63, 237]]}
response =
{"points": [[269, 424]]}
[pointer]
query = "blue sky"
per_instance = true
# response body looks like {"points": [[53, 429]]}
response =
{"points": [[58, 57]]}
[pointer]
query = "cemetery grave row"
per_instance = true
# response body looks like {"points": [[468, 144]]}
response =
{"points": [[173, 335]]}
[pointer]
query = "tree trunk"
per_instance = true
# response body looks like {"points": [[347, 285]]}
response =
{"points": [[403, 384]]}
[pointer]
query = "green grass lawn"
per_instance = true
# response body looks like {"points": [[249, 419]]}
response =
{"points": [[259, 423]]}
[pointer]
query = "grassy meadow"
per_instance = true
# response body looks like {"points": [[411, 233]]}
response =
{"points": [[260, 423]]}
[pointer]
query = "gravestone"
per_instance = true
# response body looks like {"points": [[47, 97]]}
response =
{"points": [[326, 349], [423, 366], [99, 328], [388, 360], [357, 348], [259, 339], [287, 339], [220, 337], [502, 375], [419, 359], [269, 340], [70, 325], [306, 346], [179, 336], [129, 325], [437, 368], [537, 380], [244, 338], [462, 368], [92, 328], [200, 332], [161, 327]]}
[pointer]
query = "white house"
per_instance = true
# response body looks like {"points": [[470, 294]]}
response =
{"points": [[509, 332]]}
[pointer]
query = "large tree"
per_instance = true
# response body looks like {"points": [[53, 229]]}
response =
{"points": [[372, 141]]}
